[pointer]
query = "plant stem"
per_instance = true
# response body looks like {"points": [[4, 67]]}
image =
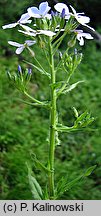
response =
{"points": [[52, 125], [32, 98]]}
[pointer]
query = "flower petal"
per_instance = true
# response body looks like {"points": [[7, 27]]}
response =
{"points": [[27, 28], [28, 33], [74, 11], [10, 25], [19, 50], [80, 35], [67, 17], [89, 27], [48, 16], [83, 19], [24, 18], [47, 33], [30, 42], [87, 35], [60, 6], [44, 8], [15, 44], [80, 39], [33, 12]]}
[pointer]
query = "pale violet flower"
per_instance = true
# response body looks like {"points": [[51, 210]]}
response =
{"points": [[44, 32], [28, 30], [81, 35], [23, 20], [63, 9], [60, 6], [41, 12], [21, 47], [81, 19], [31, 32]]}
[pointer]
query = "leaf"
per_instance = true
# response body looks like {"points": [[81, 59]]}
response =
{"points": [[9, 75], [39, 69], [71, 87], [57, 84], [72, 183], [83, 120], [82, 116], [62, 186], [63, 128], [35, 187], [34, 104], [75, 112], [90, 170], [39, 165], [45, 193]]}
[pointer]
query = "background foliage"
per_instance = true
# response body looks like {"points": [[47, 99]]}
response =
{"points": [[24, 129]]}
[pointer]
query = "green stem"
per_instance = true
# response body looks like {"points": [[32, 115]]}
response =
{"points": [[33, 55], [61, 60], [52, 125], [33, 99], [64, 85]]}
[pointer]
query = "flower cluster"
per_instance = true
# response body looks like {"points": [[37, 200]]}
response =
{"points": [[21, 78], [21, 47], [50, 23]]}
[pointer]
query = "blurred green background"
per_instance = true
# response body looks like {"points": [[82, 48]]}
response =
{"points": [[24, 129]]}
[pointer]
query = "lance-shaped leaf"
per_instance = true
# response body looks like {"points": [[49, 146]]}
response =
{"points": [[39, 165], [64, 186], [57, 85], [34, 185], [83, 120], [45, 193], [43, 104], [90, 170], [39, 69], [71, 87], [63, 128], [86, 173]]}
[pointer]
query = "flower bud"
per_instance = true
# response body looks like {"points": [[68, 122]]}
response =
{"points": [[52, 13], [72, 42], [63, 13], [29, 71], [19, 69]]}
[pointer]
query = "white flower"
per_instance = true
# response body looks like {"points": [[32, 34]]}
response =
{"points": [[28, 33], [81, 35], [81, 19], [41, 12], [31, 32], [60, 7], [28, 30], [38, 32], [24, 19], [46, 32], [21, 47]]}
